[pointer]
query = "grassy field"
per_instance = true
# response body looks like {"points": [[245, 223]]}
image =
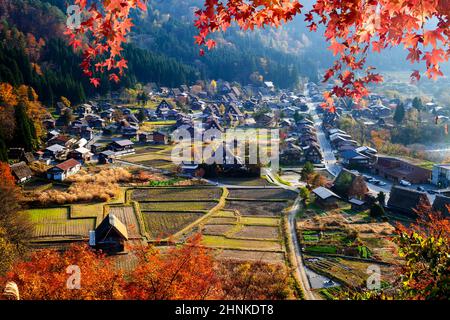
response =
{"points": [[55, 223], [163, 224]]}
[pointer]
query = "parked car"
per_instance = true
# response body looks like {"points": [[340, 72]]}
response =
{"points": [[420, 188], [405, 183], [431, 191], [382, 183]]}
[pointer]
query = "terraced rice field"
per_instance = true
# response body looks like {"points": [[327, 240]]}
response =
{"points": [[176, 194], [216, 229], [177, 206], [261, 194], [160, 225], [247, 255], [258, 232], [55, 223], [256, 208], [231, 243]]}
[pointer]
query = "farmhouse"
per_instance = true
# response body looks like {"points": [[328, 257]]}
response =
{"points": [[404, 200], [63, 170], [81, 154], [110, 235], [441, 204], [122, 146], [397, 169], [160, 138], [21, 172], [349, 185], [325, 197], [107, 156]]}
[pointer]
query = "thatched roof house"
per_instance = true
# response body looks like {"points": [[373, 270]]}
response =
{"points": [[440, 204], [405, 200]]}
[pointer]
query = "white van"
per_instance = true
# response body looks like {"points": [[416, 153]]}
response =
{"points": [[405, 183]]}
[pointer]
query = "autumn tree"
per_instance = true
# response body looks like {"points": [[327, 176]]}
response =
{"points": [[255, 281], [15, 228], [46, 275], [425, 246], [185, 272]]}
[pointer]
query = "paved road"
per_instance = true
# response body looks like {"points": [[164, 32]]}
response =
{"points": [[294, 244]]}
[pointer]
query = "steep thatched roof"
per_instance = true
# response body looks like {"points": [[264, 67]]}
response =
{"points": [[406, 200], [440, 204]]}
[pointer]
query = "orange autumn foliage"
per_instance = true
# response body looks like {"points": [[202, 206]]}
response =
{"points": [[45, 276], [185, 272], [6, 177]]}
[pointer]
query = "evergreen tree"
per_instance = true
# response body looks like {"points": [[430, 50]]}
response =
{"points": [[399, 113], [24, 128]]}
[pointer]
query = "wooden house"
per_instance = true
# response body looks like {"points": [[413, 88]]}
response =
{"points": [[405, 200], [110, 235], [63, 170], [21, 172]]}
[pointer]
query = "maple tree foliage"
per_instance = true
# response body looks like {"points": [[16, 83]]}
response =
{"points": [[6, 177], [102, 34], [186, 272], [352, 28]]}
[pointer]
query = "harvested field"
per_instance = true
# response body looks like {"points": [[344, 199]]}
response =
{"points": [[244, 255], [258, 232], [216, 229], [230, 243], [262, 194], [256, 208], [163, 224], [256, 181], [177, 206], [222, 220], [260, 221], [55, 222], [176, 194], [128, 217]]}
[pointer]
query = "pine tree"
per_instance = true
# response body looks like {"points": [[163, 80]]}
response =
{"points": [[399, 113]]}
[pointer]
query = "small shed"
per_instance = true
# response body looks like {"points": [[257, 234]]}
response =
{"points": [[357, 205], [326, 198]]}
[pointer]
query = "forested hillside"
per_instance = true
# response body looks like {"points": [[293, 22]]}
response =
{"points": [[33, 51]]}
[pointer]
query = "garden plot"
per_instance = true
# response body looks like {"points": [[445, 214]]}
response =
{"points": [[258, 232], [262, 194], [351, 273], [56, 223], [160, 225], [256, 208], [128, 217], [177, 206], [245, 255], [176, 194]]}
